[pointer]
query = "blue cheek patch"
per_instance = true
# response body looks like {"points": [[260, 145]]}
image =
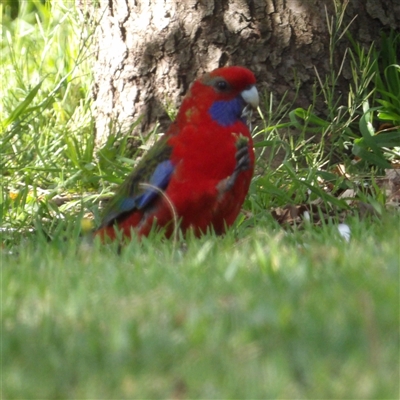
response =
{"points": [[227, 112]]}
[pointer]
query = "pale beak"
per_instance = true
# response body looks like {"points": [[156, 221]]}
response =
{"points": [[250, 96]]}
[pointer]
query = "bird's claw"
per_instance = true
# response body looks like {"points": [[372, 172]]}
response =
{"points": [[243, 163]]}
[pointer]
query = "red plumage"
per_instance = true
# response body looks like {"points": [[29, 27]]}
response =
{"points": [[203, 164]]}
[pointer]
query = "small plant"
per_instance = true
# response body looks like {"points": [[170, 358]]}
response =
{"points": [[387, 79], [46, 139], [379, 121]]}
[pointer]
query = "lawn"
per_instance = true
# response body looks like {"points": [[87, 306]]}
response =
{"points": [[271, 315]]}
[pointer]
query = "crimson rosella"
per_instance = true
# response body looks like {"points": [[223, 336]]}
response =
{"points": [[199, 172]]}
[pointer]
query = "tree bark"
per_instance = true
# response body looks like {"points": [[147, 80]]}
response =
{"points": [[149, 51]]}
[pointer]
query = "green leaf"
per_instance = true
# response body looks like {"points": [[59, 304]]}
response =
{"points": [[387, 139], [22, 107], [308, 118], [366, 127], [370, 157], [388, 116], [392, 101]]}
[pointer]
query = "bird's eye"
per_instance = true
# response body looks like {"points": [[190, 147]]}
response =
{"points": [[222, 86]]}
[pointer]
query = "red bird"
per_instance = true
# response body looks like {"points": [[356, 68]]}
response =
{"points": [[199, 172]]}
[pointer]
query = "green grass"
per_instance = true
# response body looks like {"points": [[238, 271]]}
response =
{"points": [[263, 312], [272, 315]]}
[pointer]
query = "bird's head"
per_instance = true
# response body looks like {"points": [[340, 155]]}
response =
{"points": [[225, 93]]}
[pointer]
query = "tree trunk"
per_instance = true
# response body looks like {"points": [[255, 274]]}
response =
{"points": [[149, 51]]}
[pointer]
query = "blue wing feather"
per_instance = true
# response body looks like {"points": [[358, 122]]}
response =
{"points": [[155, 169], [160, 179]]}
